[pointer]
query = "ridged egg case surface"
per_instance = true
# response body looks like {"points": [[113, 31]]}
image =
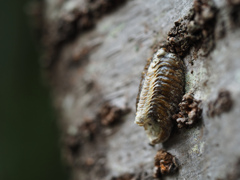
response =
{"points": [[160, 91]]}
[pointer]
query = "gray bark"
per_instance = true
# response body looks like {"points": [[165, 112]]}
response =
{"points": [[100, 68]]}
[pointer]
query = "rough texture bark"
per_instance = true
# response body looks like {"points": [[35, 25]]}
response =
{"points": [[95, 52]]}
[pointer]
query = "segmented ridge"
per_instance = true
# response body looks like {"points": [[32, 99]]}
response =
{"points": [[166, 89]]}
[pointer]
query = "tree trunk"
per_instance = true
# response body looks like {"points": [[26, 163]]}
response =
{"points": [[95, 51]]}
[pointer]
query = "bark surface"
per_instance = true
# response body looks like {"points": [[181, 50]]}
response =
{"points": [[95, 52]]}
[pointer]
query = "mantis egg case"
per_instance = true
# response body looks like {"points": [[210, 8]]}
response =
{"points": [[160, 91]]}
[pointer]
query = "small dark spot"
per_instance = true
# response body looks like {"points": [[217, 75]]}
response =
{"points": [[192, 63], [111, 115], [89, 85], [234, 6], [149, 124], [124, 177], [74, 144], [191, 71], [165, 163], [205, 83], [223, 103], [152, 145]]}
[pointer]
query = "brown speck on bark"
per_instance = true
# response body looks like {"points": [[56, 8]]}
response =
{"points": [[223, 103], [110, 115], [164, 163], [190, 112]]}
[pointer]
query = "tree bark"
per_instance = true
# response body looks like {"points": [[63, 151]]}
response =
{"points": [[94, 54]]}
